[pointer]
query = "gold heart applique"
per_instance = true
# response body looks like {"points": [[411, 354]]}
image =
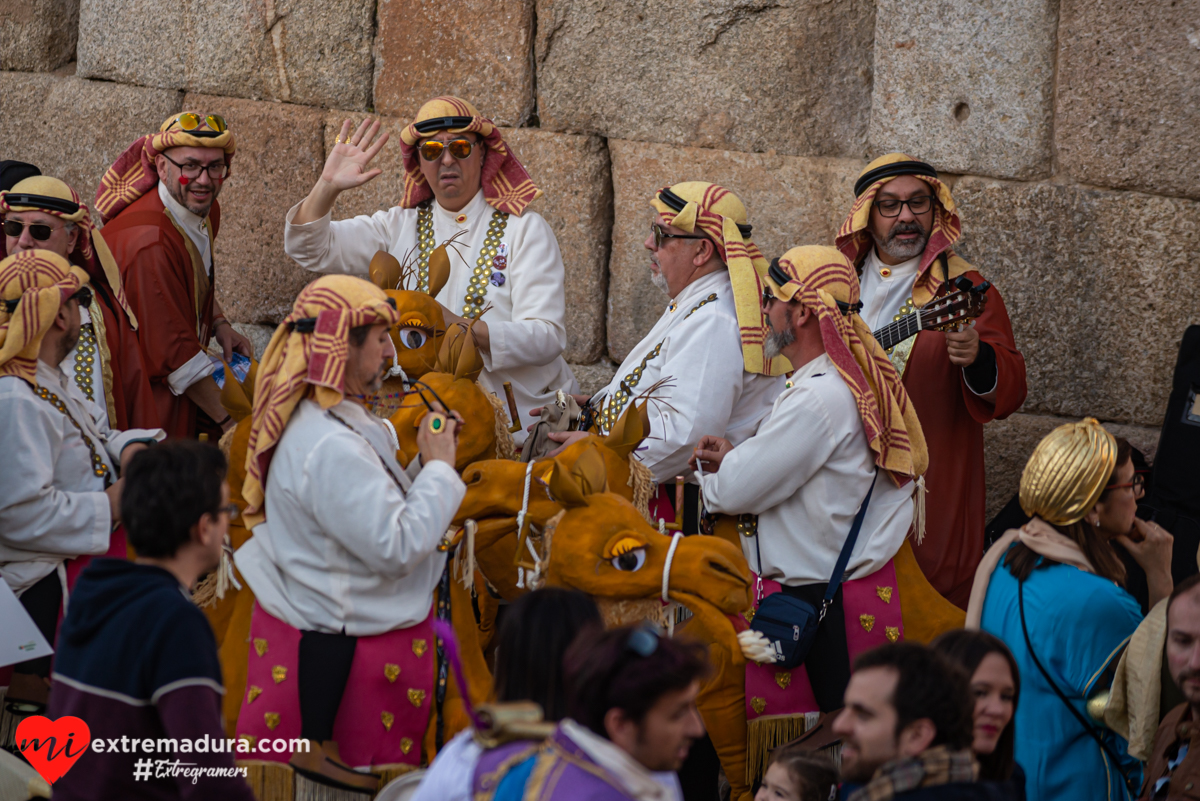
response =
{"points": [[892, 632], [416, 696], [254, 693], [884, 593], [391, 671], [783, 679], [272, 719], [250, 739], [279, 673], [388, 719], [260, 646], [867, 621], [405, 745], [758, 704], [420, 647]]}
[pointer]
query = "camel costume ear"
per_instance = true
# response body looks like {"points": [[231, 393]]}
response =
{"points": [[588, 476], [458, 356], [439, 269], [630, 429], [385, 270]]}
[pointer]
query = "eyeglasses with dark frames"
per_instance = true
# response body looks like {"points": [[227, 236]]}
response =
{"points": [[660, 235], [891, 207], [218, 171]]}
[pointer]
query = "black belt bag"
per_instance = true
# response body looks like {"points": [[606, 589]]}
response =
{"points": [[791, 623]]}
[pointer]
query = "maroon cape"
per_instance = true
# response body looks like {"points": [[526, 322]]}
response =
{"points": [[172, 297], [952, 417]]}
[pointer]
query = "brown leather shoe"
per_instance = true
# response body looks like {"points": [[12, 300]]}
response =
{"points": [[322, 764]]}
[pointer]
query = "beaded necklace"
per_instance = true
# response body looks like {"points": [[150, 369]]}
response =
{"points": [[493, 254], [99, 468], [85, 361]]}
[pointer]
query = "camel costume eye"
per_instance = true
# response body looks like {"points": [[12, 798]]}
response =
{"points": [[412, 337], [628, 554]]}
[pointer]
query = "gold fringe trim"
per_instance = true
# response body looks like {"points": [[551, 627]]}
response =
{"points": [[387, 773], [270, 781], [506, 446], [768, 732], [226, 442], [642, 481]]}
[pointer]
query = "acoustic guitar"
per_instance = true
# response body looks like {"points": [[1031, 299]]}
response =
{"points": [[942, 313]]}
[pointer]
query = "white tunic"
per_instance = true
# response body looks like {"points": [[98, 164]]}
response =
{"points": [[710, 390], [348, 544], [53, 506], [805, 474], [526, 322]]}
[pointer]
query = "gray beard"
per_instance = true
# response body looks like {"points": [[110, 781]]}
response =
{"points": [[659, 281], [776, 341], [898, 250]]}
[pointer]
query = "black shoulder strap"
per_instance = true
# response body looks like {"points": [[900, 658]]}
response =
{"points": [[1089, 728], [839, 570]]}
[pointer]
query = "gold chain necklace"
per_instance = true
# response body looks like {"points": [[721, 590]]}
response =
{"points": [[85, 361], [99, 468], [491, 256]]}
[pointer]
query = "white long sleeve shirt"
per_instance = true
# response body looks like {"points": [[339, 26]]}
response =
{"points": [[526, 322], [52, 503], [805, 474], [710, 391], [350, 540]]}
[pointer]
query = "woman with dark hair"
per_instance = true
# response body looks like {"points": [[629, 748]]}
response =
{"points": [[996, 686], [536, 631], [1052, 591]]}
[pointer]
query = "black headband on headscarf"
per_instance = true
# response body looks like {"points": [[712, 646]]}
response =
{"points": [[442, 124], [677, 203], [891, 171], [42, 202]]}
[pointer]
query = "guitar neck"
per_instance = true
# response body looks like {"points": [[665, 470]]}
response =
{"points": [[897, 331]]}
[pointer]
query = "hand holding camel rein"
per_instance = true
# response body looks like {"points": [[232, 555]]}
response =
{"points": [[940, 314]]}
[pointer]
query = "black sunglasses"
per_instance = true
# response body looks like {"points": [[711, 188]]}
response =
{"points": [[84, 296], [39, 231]]}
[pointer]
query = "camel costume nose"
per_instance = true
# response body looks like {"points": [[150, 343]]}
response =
{"points": [[713, 569]]}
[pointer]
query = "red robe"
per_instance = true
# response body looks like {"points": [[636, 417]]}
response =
{"points": [[172, 296], [952, 417]]}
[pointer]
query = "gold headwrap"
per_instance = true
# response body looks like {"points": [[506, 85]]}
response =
{"points": [[52, 196], [719, 213], [134, 174], [507, 186], [1067, 472], [820, 278], [307, 355], [854, 238], [40, 282]]}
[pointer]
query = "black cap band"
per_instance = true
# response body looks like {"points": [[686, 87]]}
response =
{"points": [[306, 325], [10, 306], [41, 202], [677, 203], [776, 273], [891, 171], [442, 124]]}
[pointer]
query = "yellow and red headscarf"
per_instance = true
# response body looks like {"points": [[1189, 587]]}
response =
{"points": [[719, 213], [52, 196], [34, 285], [824, 281], [507, 186], [134, 174], [306, 356], [854, 238]]}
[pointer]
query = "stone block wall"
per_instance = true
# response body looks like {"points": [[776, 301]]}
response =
{"points": [[1066, 128]]}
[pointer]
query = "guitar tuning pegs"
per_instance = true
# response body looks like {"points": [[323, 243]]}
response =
{"points": [[962, 283]]}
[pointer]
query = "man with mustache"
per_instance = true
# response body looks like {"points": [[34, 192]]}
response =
{"points": [[1174, 769], [159, 205], [899, 235], [460, 176]]}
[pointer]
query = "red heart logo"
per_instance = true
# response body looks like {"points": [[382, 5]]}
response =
{"points": [[53, 746]]}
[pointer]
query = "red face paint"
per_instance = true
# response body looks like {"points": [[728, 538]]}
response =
{"points": [[183, 180]]}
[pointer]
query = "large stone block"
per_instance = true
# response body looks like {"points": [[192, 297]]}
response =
{"points": [[966, 85], [750, 75], [594, 377], [574, 173], [279, 157], [479, 50], [1008, 444], [1129, 94], [291, 50], [38, 35], [1099, 285], [791, 201], [75, 129]]}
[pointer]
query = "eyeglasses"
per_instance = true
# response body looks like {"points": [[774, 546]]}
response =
{"points": [[1138, 484], [216, 171], [917, 205], [230, 509], [459, 148], [190, 122], [768, 295], [643, 641], [660, 235], [84, 296], [39, 231]]}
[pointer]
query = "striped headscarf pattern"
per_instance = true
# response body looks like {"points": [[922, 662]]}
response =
{"points": [[134, 174], [720, 214], [37, 194], [507, 186], [854, 238], [819, 277], [39, 281], [297, 364]]}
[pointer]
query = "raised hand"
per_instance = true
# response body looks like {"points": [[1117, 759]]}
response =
{"points": [[348, 162]]}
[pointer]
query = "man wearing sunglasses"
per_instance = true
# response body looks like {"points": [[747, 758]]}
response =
{"points": [[43, 213], [506, 260], [899, 235], [61, 460], [159, 201]]}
